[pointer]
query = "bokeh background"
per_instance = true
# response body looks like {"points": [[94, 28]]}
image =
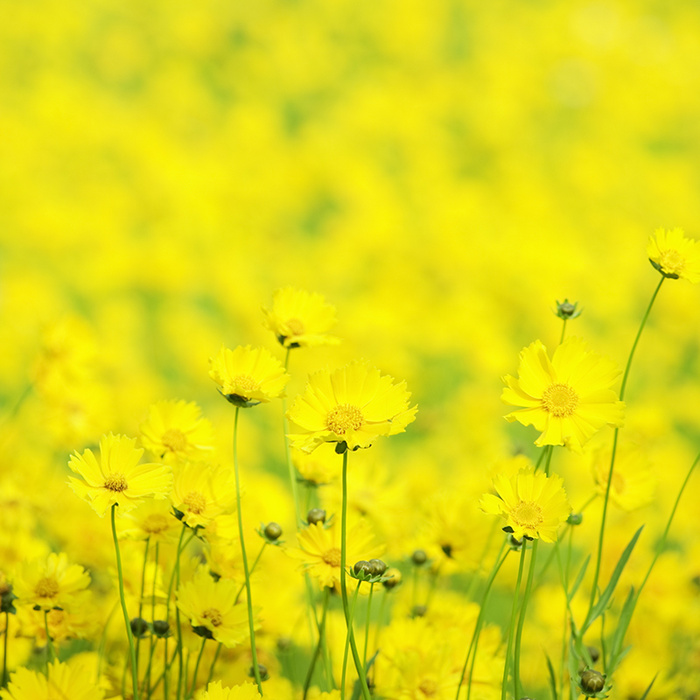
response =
{"points": [[441, 171]]}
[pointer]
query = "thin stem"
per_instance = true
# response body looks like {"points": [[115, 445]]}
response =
{"points": [[625, 376], [521, 619], [321, 638], [513, 611], [50, 653], [347, 641], [4, 650], [196, 668], [213, 663], [249, 596], [343, 585], [252, 568], [563, 330], [367, 621], [122, 598], [180, 661], [141, 594]]}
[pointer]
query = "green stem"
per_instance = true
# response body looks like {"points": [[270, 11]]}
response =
{"points": [[50, 652], [563, 333], [367, 621], [213, 663], [513, 611], [625, 376], [319, 646], [196, 669], [122, 598], [4, 650], [252, 569], [343, 585], [347, 641], [143, 588], [180, 661], [249, 596], [521, 619]]}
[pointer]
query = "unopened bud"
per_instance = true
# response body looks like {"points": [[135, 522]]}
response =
{"points": [[273, 531], [377, 567], [316, 515], [362, 567], [419, 557], [139, 627], [592, 682]]}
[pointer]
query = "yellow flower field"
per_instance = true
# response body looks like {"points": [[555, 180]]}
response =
{"points": [[379, 228]]}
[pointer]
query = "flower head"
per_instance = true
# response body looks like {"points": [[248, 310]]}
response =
{"points": [[351, 405], [202, 493], [674, 255], [300, 319], [533, 504], [568, 398], [247, 376], [117, 478], [64, 680], [245, 691]]}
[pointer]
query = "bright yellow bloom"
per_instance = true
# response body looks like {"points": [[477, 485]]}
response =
{"points": [[351, 405], [300, 319], [567, 399], [674, 255], [202, 493], [64, 680], [175, 430], [246, 691], [533, 504], [51, 582], [211, 608], [118, 478], [247, 376]]}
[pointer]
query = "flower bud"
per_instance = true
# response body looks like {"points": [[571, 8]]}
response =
{"points": [[264, 674], [316, 515], [393, 578], [362, 567], [419, 557], [565, 310], [377, 567], [273, 531], [592, 682], [140, 627], [575, 519], [594, 653], [161, 628], [419, 611]]}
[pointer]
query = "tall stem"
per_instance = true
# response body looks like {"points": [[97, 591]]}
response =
{"points": [[625, 376], [4, 650], [122, 598], [514, 609], [251, 624], [319, 646], [521, 619]]}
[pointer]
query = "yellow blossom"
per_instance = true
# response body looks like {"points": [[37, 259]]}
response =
{"points": [[674, 255]]}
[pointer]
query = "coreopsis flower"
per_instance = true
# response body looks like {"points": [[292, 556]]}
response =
{"points": [[151, 520], [211, 608], [50, 582], [245, 691], [118, 478], [533, 504], [202, 493], [568, 398], [352, 405], [64, 680], [674, 255], [247, 376], [300, 319], [633, 481], [175, 431]]}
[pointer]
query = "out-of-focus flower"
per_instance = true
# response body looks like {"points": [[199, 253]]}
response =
{"points": [[533, 504], [175, 430], [568, 398], [118, 478], [674, 255], [633, 482], [351, 405], [248, 376], [203, 492], [245, 691], [300, 319], [64, 680]]}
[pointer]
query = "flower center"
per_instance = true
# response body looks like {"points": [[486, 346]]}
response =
{"points": [[428, 687], [213, 615], [332, 556], [46, 588], [245, 385], [195, 502], [344, 417], [527, 514], [296, 327], [174, 439], [116, 483], [155, 523], [560, 400], [672, 262]]}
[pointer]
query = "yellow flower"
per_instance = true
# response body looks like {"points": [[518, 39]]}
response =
{"points": [[351, 405], [64, 680], [247, 376], [300, 319], [211, 608], [175, 430], [633, 483], [50, 583], [569, 398], [202, 493], [118, 478], [674, 255], [533, 504], [246, 691]]}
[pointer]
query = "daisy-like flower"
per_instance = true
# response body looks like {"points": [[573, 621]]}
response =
{"points": [[352, 405], [247, 376], [175, 431], [202, 493], [533, 504], [64, 680], [674, 255], [300, 319], [568, 398], [211, 608], [245, 691], [118, 478], [50, 583], [633, 482]]}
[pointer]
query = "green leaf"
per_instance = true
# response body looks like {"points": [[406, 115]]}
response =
{"points": [[619, 636], [578, 580], [552, 679], [646, 692]]}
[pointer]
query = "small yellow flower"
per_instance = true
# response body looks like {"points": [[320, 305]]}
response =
{"points": [[118, 478], [674, 255], [568, 398], [533, 504], [633, 482], [202, 493], [64, 680], [351, 405], [245, 691], [50, 583], [300, 319], [247, 376]]}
